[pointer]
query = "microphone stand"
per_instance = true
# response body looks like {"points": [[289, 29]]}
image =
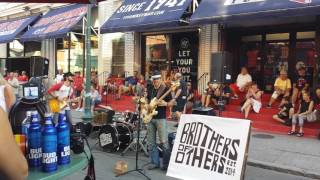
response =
{"points": [[137, 169]]}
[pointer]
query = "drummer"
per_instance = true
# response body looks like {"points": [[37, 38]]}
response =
{"points": [[63, 92]]}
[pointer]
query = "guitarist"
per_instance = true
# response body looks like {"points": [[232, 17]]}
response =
{"points": [[158, 123], [63, 91]]}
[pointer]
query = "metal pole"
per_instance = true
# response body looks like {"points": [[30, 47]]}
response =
{"points": [[87, 110]]}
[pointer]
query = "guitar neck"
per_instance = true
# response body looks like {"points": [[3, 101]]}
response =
{"points": [[165, 95]]}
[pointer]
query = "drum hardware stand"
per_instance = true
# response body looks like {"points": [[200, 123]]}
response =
{"points": [[137, 169], [135, 143]]}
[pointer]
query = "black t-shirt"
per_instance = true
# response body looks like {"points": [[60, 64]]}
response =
{"points": [[301, 81], [183, 87], [304, 106], [152, 93]]}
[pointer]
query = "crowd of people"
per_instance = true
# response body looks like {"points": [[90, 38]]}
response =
{"points": [[298, 103]]}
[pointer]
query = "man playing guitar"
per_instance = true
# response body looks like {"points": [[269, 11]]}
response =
{"points": [[158, 123], [63, 92]]}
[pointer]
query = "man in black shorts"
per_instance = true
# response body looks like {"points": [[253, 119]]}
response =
{"points": [[286, 112]]}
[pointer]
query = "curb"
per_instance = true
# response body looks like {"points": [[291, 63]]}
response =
{"points": [[284, 169]]}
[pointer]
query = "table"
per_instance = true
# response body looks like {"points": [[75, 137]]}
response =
{"points": [[78, 162]]}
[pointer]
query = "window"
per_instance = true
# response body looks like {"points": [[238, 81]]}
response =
{"points": [[278, 36], [254, 38], [157, 48], [16, 49], [118, 52], [306, 35], [32, 49], [72, 55]]}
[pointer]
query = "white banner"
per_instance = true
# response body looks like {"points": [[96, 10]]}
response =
{"points": [[209, 148]]}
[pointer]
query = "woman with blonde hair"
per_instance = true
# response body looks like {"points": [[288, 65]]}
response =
{"points": [[7, 97]]}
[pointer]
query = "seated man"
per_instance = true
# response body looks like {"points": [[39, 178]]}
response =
{"points": [[131, 83], [114, 85], [301, 83], [94, 95], [242, 84], [282, 87]]}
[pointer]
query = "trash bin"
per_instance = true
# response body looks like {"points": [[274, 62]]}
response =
{"points": [[18, 112]]}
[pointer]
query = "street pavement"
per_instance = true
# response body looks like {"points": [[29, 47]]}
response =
{"points": [[271, 157]]}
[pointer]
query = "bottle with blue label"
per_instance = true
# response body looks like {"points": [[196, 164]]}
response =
{"points": [[34, 141], [49, 145], [26, 124], [63, 140]]}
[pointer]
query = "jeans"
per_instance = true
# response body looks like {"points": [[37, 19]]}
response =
{"points": [[159, 125]]}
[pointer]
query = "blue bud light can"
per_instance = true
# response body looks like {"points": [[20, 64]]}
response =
{"points": [[34, 141], [49, 145], [63, 140]]}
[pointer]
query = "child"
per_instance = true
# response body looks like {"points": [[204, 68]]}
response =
{"points": [[253, 100], [286, 112], [205, 99], [304, 113]]}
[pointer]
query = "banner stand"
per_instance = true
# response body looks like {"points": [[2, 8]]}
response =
{"points": [[246, 154]]}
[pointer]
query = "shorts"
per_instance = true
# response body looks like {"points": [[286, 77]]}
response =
{"points": [[95, 102], [181, 102], [283, 116], [276, 94], [256, 105], [77, 93]]}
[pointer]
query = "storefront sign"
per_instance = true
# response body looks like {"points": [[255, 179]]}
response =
{"points": [[134, 14], [208, 147], [57, 22], [10, 29], [234, 2], [185, 57]]}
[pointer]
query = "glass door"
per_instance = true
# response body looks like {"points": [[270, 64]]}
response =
{"points": [[250, 56], [156, 54]]}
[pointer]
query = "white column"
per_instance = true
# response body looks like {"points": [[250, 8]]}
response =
{"points": [[3, 56], [129, 53], [209, 43], [48, 50]]}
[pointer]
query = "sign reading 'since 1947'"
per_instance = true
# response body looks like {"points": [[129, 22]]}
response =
{"points": [[145, 12]]}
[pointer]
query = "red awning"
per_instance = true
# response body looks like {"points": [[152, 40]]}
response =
{"points": [[49, 1]]}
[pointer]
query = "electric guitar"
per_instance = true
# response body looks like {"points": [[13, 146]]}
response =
{"points": [[149, 111]]}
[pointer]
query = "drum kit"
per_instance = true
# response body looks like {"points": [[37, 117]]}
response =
{"points": [[121, 133]]}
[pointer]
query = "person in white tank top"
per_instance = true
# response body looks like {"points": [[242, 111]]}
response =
{"points": [[7, 97]]}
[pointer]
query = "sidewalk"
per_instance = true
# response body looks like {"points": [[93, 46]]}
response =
{"points": [[282, 153], [293, 155]]}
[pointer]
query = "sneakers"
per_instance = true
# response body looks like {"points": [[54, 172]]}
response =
{"points": [[152, 167]]}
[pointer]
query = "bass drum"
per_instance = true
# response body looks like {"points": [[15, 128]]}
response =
{"points": [[113, 137]]}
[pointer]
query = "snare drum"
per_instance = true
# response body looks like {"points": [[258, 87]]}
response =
{"points": [[112, 137]]}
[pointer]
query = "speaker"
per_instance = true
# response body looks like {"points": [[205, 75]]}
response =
{"points": [[221, 67], [39, 66], [204, 111]]}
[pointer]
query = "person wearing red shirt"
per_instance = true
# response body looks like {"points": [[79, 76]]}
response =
{"points": [[78, 83], [23, 77], [63, 91]]}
